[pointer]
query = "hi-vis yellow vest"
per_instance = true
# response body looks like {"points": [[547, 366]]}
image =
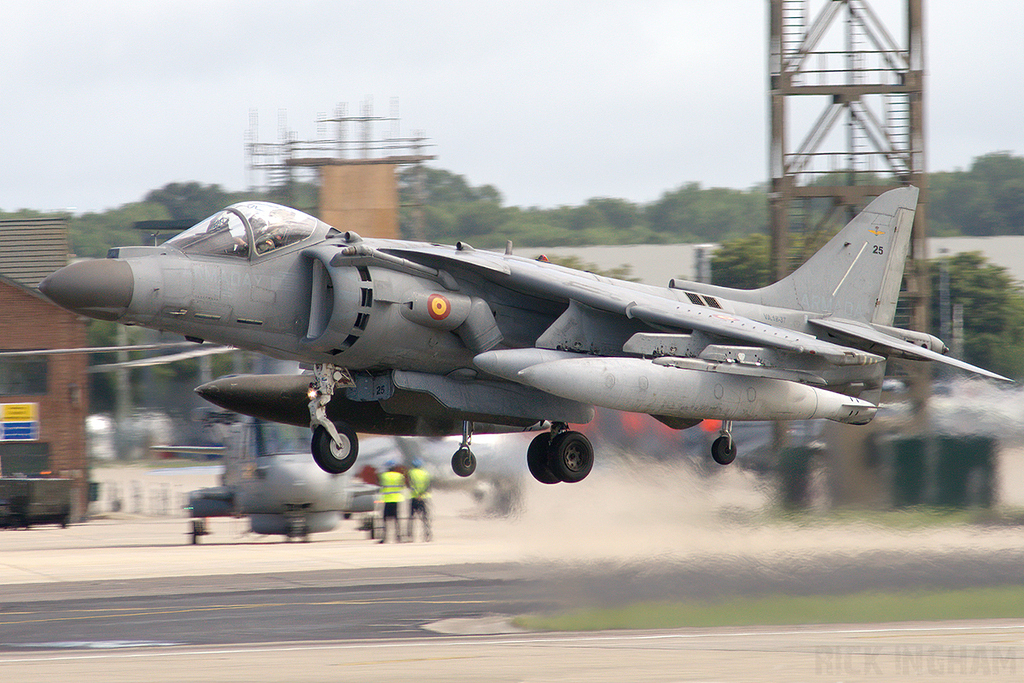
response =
{"points": [[391, 486], [419, 482]]}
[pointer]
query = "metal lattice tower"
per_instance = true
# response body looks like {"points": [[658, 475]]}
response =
{"points": [[868, 135]]}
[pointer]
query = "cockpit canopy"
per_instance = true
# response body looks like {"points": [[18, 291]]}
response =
{"points": [[245, 229]]}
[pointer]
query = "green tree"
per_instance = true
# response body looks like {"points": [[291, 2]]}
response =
{"points": [[993, 310], [479, 219], [618, 213], [450, 205], [742, 262], [92, 234], [190, 201], [693, 214], [986, 200], [444, 187]]}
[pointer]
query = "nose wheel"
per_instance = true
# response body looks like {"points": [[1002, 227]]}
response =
{"points": [[335, 456]]}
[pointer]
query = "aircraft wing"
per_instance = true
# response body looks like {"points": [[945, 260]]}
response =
{"points": [[162, 346], [658, 311], [895, 346], [724, 324], [193, 350]]}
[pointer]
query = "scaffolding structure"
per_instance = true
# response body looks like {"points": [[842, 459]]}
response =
{"points": [[869, 134], [342, 139], [868, 137]]}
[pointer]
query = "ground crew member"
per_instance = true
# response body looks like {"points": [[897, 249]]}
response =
{"points": [[419, 492], [392, 492]]}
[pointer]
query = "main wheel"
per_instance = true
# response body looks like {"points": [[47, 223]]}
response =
{"points": [[335, 458], [570, 457], [723, 450], [537, 459], [464, 462]]}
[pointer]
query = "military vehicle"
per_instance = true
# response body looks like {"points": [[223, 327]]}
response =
{"points": [[409, 338]]}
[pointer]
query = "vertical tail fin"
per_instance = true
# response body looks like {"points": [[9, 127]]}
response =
{"points": [[857, 275]]}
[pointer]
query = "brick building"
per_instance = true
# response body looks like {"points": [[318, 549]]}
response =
{"points": [[43, 398]]}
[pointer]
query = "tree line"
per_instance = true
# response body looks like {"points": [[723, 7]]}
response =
{"points": [[987, 199]]}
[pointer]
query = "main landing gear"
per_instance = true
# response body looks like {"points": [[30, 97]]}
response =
{"points": [[560, 455], [723, 450]]}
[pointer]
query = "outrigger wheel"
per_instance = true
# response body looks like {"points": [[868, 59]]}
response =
{"points": [[723, 449], [464, 462]]}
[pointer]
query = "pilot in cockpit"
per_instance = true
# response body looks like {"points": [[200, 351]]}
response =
{"points": [[267, 243], [268, 226]]}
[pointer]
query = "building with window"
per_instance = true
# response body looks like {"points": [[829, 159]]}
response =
{"points": [[43, 398]]}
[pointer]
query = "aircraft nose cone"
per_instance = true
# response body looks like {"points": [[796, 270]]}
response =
{"points": [[100, 288]]}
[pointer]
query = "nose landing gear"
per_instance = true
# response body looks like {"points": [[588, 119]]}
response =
{"points": [[334, 446]]}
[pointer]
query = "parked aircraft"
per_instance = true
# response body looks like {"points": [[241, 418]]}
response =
{"points": [[496, 485], [268, 477], [423, 339]]}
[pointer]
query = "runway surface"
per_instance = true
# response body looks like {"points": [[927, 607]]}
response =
{"points": [[949, 651], [126, 599]]}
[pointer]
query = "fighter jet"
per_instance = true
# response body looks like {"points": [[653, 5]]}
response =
{"points": [[410, 338]]}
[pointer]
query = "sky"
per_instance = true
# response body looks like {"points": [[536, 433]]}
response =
{"points": [[552, 102]]}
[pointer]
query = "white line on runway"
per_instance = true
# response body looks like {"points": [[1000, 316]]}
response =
{"points": [[538, 639]]}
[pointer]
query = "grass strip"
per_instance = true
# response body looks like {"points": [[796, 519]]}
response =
{"points": [[975, 603]]}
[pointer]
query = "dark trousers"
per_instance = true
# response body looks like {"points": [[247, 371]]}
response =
{"points": [[418, 506], [391, 512]]}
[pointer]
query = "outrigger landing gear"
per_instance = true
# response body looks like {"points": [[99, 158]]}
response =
{"points": [[560, 455], [334, 446], [723, 450], [464, 462]]}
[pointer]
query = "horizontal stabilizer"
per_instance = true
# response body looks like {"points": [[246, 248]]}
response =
{"points": [[897, 347]]}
